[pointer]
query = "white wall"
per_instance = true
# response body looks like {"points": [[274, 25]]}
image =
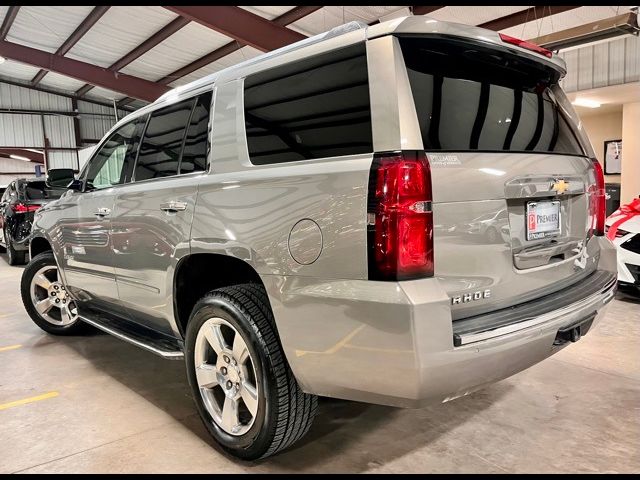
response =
{"points": [[601, 127], [630, 152]]}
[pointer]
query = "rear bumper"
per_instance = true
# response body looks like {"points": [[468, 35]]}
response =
{"points": [[392, 343]]}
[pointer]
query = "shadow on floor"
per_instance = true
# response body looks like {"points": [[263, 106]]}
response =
{"points": [[628, 296], [345, 435]]}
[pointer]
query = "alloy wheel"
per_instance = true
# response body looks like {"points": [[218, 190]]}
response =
{"points": [[226, 376], [50, 297]]}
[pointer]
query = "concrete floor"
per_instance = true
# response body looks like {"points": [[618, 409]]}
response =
{"points": [[120, 409]]}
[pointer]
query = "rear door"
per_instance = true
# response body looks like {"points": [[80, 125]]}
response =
{"points": [[151, 222], [511, 176]]}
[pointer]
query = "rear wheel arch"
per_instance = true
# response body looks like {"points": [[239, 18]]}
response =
{"points": [[200, 273]]}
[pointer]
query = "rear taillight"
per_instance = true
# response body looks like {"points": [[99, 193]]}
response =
{"points": [[524, 44], [400, 220], [22, 208], [598, 200]]}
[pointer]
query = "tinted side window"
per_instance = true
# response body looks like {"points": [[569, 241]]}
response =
{"points": [[111, 164], [159, 153], [196, 145], [314, 108]]}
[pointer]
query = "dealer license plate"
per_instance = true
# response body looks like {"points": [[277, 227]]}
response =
{"points": [[543, 219]]}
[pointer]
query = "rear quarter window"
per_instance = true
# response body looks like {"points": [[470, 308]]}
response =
{"points": [[313, 108]]}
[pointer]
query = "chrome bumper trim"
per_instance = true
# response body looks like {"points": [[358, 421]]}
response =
{"points": [[595, 301]]}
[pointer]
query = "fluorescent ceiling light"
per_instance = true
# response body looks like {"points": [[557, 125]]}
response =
{"points": [[624, 24], [20, 157], [584, 102], [2, 60]]}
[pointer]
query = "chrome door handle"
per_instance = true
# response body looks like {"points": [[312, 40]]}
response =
{"points": [[173, 206], [102, 212]]}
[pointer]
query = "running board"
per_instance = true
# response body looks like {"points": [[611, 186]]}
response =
{"points": [[140, 336]]}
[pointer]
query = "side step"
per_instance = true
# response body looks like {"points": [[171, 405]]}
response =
{"points": [[137, 335]]}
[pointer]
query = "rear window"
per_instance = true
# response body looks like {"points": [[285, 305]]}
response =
{"points": [[474, 97], [314, 108]]}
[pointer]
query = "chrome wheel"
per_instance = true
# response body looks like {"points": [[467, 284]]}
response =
{"points": [[226, 376], [50, 298]]}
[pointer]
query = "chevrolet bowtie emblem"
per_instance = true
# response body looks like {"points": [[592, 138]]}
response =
{"points": [[560, 186]]}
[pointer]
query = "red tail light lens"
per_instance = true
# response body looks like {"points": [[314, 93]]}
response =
{"points": [[598, 200], [400, 220], [524, 44], [22, 208]]}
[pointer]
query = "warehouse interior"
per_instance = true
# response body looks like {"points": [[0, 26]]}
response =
{"points": [[96, 404]]}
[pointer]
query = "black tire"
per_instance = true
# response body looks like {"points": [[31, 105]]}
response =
{"points": [[39, 261], [15, 257], [285, 412]]}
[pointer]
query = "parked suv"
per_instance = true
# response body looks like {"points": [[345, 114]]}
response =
{"points": [[17, 204], [272, 224]]}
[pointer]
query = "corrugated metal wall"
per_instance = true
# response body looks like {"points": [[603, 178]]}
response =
{"points": [[95, 127], [26, 130], [63, 159], [603, 64], [12, 96], [20, 130], [59, 130]]}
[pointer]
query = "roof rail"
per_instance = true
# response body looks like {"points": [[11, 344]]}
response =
{"points": [[334, 32]]}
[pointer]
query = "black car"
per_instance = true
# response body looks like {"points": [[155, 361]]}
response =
{"points": [[22, 197]]}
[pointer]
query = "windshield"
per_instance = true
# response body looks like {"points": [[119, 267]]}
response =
{"points": [[470, 96]]}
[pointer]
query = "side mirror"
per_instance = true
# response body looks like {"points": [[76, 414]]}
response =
{"points": [[59, 177], [76, 185]]}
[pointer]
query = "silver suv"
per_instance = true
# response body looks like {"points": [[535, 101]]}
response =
{"points": [[275, 225]]}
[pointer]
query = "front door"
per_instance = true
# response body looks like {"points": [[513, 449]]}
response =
{"points": [[87, 262]]}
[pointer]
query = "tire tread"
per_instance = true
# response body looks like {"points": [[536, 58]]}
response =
{"points": [[295, 409]]}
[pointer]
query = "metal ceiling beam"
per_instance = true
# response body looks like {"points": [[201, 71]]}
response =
{"points": [[102, 77], [241, 25], [158, 37], [8, 21], [523, 16], [286, 18], [295, 14], [75, 37], [424, 10], [61, 94]]}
